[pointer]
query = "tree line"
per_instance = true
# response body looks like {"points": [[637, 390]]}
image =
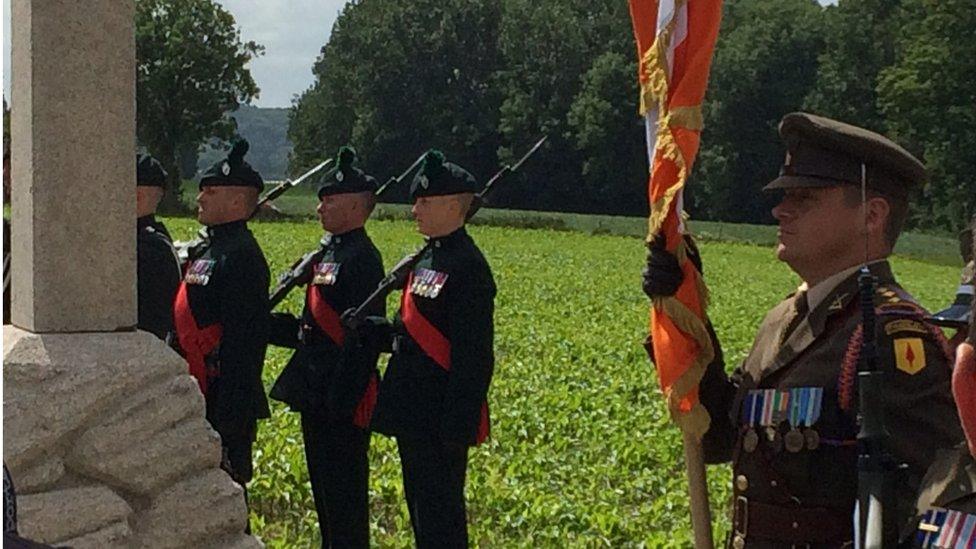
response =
{"points": [[482, 79]]}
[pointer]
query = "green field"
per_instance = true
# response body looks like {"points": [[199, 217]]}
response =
{"points": [[582, 452]]}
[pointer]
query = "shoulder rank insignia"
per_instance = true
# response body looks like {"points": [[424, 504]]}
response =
{"points": [[905, 325], [837, 304], [200, 271], [909, 354], [326, 273]]}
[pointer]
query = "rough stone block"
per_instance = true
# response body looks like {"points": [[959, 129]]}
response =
{"points": [[53, 517], [54, 384], [209, 506], [161, 425], [39, 476], [113, 535]]}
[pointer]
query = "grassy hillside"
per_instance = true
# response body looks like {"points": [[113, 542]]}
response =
{"points": [[582, 452]]}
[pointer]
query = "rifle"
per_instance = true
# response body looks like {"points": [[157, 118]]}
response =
{"points": [[397, 276], [300, 269], [187, 251], [874, 461]]}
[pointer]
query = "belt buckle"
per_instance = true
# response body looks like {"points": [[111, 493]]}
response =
{"points": [[740, 528]]}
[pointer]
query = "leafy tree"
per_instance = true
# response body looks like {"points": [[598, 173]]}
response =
{"points": [[929, 102], [548, 48], [859, 41], [191, 71], [608, 132], [765, 63], [397, 78]]}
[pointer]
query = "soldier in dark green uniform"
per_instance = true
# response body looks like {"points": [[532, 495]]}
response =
{"points": [[787, 417], [221, 310], [335, 388], [158, 268], [433, 397], [947, 500]]}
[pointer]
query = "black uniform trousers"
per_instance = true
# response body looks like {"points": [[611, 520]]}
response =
{"points": [[338, 468], [433, 482]]}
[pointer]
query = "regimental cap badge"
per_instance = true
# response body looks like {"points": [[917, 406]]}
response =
{"points": [[339, 176], [424, 182], [225, 168]]}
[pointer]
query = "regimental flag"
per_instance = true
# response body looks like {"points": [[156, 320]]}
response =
{"points": [[675, 41]]}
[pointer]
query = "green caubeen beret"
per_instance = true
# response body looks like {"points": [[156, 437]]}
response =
{"points": [[346, 178], [149, 172], [439, 177], [821, 152], [233, 171]]}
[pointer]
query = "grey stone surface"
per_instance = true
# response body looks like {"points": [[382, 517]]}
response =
{"points": [[40, 476], [162, 424], [206, 507], [113, 535], [55, 383], [73, 127], [56, 516]]}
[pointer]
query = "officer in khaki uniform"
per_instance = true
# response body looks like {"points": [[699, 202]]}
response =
{"points": [[946, 508], [787, 417]]}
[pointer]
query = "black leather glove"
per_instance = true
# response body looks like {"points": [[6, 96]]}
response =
{"points": [[375, 332], [283, 330], [662, 274]]}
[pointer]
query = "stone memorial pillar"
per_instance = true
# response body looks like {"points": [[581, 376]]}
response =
{"points": [[104, 430]]}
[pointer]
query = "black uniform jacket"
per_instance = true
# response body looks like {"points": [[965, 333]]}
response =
{"points": [[158, 276], [436, 385], [228, 286], [320, 377], [822, 353]]}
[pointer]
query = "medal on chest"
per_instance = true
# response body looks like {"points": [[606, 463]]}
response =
{"points": [[326, 273], [945, 528], [765, 411], [427, 283], [200, 272]]}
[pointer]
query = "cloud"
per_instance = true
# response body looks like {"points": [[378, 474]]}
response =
{"points": [[292, 33]]}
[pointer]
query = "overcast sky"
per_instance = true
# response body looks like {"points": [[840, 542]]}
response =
{"points": [[292, 32]]}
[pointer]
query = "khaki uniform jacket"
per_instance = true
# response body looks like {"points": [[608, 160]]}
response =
{"points": [[950, 484], [819, 482]]}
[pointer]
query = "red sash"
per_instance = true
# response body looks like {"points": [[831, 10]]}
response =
{"points": [[196, 343], [364, 410], [329, 321], [434, 344], [325, 316]]}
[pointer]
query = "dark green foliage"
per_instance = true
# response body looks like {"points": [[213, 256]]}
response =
{"points": [[765, 61], [929, 103], [482, 80], [190, 72]]}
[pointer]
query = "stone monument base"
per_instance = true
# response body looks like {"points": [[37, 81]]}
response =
{"points": [[107, 444]]}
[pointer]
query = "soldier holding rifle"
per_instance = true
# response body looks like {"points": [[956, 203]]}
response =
{"points": [[433, 398], [332, 378], [221, 310]]}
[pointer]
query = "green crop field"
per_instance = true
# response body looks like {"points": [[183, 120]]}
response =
{"points": [[582, 452]]}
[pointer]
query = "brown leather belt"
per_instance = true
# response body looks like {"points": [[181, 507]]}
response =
{"points": [[754, 521]]}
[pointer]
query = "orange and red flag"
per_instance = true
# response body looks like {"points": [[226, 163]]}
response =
{"points": [[675, 41]]}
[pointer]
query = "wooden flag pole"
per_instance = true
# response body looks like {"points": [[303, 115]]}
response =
{"points": [[701, 516]]}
